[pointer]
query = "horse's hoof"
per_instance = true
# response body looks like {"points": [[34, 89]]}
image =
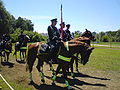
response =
{"points": [[30, 83], [70, 88], [43, 80], [53, 83]]}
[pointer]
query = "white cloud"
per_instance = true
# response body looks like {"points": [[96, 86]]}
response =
{"points": [[36, 17]]}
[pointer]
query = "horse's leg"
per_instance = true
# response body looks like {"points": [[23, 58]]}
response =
{"points": [[76, 62], [71, 66], [25, 53], [7, 55], [55, 74], [16, 55], [64, 68], [20, 55], [30, 67], [51, 67], [40, 64], [4, 55]]}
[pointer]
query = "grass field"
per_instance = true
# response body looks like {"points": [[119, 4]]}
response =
{"points": [[102, 59], [105, 59]]}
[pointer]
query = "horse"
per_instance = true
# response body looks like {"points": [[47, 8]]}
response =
{"points": [[63, 57], [6, 49], [86, 37], [22, 48]]}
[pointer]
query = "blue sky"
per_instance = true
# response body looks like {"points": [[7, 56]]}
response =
{"points": [[95, 15]]}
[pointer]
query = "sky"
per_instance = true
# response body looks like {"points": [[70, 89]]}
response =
{"points": [[94, 15]]}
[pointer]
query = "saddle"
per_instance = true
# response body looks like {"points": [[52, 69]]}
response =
{"points": [[43, 48]]}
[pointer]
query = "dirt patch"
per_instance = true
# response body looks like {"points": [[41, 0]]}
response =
{"points": [[88, 78]]}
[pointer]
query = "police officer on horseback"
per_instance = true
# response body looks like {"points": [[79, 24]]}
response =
{"points": [[68, 35], [21, 38], [53, 37], [53, 33], [62, 32], [6, 37]]}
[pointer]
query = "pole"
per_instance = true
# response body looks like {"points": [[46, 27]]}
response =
{"points": [[61, 28]]}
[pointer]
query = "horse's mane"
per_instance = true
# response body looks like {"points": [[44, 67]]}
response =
{"points": [[75, 43]]}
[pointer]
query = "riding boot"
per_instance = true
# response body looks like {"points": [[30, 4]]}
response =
{"points": [[52, 54]]}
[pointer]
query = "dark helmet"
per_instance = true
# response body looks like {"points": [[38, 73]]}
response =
{"points": [[68, 25], [54, 20], [63, 23]]}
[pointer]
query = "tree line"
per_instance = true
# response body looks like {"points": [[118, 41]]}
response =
{"points": [[108, 36], [9, 24]]}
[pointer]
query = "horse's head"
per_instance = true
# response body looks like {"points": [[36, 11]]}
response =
{"points": [[26, 38], [85, 54], [89, 35]]}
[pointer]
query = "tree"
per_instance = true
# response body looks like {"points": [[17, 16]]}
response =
{"points": [[24, 24], [5, 20], [118, 36], [105, 38]]}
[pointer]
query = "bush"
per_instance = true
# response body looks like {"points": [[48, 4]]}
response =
{"points": [[105, 38]]}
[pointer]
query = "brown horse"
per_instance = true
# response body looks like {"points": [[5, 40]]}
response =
{"points": [[22, 48], [63, 57], [6, 50], [86, 37]]}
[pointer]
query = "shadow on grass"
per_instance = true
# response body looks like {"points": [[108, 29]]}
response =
{"points": [[85, 76], [11, 65], [73, 82], [47, 87], [88, 76]]}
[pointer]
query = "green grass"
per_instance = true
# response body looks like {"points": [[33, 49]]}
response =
{"points": [[109, 43], [105, 59], [13, 84], [100, 59]]}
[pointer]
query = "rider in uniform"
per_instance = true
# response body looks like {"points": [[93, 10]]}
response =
{"points": [[68, 35], [53, 37], [20, 39], [53, 33], [62, 32], [6, 37]]}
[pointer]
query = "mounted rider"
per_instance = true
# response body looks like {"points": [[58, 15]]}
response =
{"points": [[6, 37], [62, 32], [4, 40], [53, 37], [20, 39], [68, 35]]}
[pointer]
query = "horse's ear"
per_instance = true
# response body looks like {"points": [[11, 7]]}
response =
{"points": [[91, 48]]}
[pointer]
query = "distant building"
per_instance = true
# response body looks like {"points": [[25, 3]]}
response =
{"points": [[44, 34]]}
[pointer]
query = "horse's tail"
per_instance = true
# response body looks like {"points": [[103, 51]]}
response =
{"points": [[31, 55], [27, 58]]}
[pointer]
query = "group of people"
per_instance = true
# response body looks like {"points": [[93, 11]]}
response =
{"points": [[56, 35], [6, 38]]}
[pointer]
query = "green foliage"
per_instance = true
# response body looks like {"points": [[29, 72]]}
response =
{"points": [[77, 34], [5, 20], [105, 38], [24, 24], [34, 36]]}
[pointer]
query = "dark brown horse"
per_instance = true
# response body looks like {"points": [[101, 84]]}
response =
{"points": [[22, 48], [6, 50], [63, 57], [86, 37]]}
